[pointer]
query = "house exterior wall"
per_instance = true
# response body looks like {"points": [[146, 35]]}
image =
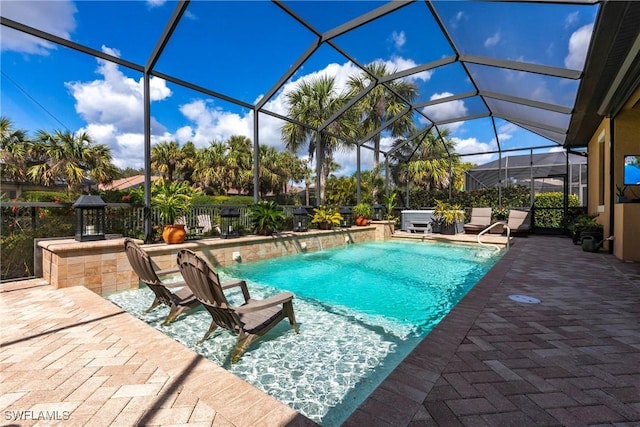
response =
{"points": [[599, 150], [612, 140], [626, 245]]}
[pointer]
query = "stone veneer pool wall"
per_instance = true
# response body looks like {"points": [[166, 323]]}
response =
{"points": [[103, 267]]}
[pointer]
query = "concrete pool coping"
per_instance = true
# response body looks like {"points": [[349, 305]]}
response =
{"points": [[572, 359]]}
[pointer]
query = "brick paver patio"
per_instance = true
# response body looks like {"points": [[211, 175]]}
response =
{"points": [[573, 359], [69, 357]]}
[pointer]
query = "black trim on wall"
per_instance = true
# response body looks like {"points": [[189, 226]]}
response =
{"points": [[612, 182]]}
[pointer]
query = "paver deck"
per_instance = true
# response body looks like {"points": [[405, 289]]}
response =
{"points": [[69, 357]]}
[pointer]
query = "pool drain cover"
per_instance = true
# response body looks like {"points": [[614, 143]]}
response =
{"points": [[525, 299]]}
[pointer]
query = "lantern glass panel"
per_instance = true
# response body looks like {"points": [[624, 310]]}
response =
{"points": [[229, 222], [90, 218], [300, 219], [347, 216], [377, 212]]}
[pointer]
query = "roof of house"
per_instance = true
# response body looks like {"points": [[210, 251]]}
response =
{"points": [[539, 159], [126, 183]]}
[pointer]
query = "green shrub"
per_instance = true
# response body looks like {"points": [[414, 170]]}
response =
{"points": [[363, 210], [549, 209], [16, 257], [266, 217], [326, 217], [232, 200], [47, 196]]}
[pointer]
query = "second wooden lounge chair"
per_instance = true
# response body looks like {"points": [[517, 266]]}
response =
{"points": [[177, 296], [249, 321], [519, 222]]}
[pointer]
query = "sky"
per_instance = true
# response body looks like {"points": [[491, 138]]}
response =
{"points": [[241, 49]]}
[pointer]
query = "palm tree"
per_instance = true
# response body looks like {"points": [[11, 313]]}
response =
{"points": [[188, 155], [270, 171], [293, 168], [14, 151], [381, 104], [67, 157], [165, 156], [313, 102], [240, 162], [430, 160], [210, 168]]}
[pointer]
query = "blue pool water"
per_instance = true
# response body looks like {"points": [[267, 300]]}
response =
{"points": [[361, 309]]}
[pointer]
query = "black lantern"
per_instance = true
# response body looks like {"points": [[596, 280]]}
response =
{"points": [[347, 216], [300, 219], [377, 212], [89, 218], [229, 222]]}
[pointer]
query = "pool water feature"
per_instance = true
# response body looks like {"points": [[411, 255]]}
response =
{"points": [[360, 309]]}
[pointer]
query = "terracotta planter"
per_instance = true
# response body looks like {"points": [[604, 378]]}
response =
{"points": [[362, 221], [325, 226], [173, 234]]}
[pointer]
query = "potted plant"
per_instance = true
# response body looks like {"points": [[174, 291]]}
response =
{"points": [[586, 225], [362, 212], [389, 206], [500, 213], [326, 218], [437, 217], [172, 200], [266, 217], [452, 219]]}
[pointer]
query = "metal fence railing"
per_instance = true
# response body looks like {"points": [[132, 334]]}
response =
{"points": [[25, 222]]}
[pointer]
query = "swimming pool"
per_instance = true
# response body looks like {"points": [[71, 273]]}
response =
{"points": [[361, 309]]}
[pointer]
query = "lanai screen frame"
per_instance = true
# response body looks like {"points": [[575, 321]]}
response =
{"points": [[327, 37]]}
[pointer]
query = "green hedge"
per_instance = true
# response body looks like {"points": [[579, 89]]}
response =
{"points": [[550, 209], [16, 257], [47, 196], [512, 196], [204, 200]]}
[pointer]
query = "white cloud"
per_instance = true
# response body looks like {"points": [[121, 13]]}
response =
{"points": [[211, 123], [348, 163], [507, 128], [504, 137], [493, 40], [399, 39], [578, 46], [112, 106], [347, 159], [456, 20], [571, 19], [446, 110], [398, 63], [127, 149], [472, 145], [156, 3], [386, 142], [556, 149], [55, 17], [116, 99]]}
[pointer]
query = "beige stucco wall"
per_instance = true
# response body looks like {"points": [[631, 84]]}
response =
{"points": [[599, 175], [627, 216], [626, 140]]}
